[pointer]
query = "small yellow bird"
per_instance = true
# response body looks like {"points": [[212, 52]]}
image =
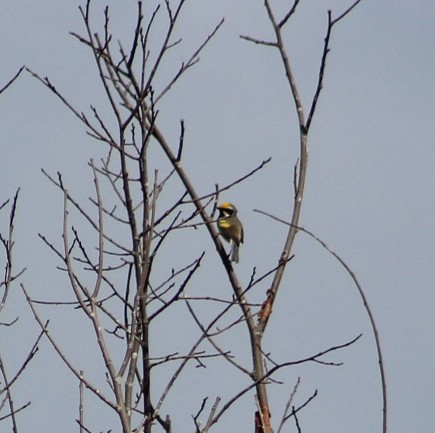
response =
{"points": [[230, 228]]}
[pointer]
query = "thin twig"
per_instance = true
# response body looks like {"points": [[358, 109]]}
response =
{"points": [[12, 80], [289, 403]]}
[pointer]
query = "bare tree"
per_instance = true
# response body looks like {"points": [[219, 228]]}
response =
{"points": [[132, 218]]}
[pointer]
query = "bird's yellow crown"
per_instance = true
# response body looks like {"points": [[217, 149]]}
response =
{"points": [[226, 205]]}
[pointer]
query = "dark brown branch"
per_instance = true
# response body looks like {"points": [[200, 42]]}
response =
{"points": [[195, 418], [34, 349], [24, 406], [331, 23], [218, 189], [296, 410], [135, 43], [258, 41], [287, 16], [346, 12], [321, 74], [9, 83], [181, 141]]}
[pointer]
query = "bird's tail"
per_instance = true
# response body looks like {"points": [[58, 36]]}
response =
{"points": [[234, 252]]}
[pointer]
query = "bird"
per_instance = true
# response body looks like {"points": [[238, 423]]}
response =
{"points": [[230, 228]]}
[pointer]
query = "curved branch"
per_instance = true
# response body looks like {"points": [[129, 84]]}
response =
{"points": [[366, 307], [371, 318]]}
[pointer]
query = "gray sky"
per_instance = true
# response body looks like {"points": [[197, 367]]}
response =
{"points": [[370, 195]]}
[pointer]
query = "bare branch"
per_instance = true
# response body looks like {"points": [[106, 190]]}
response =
{"points": [[296, 410], [9, 83], [180, 147], [287, 406], [100, 236], [321, 73], [8, 244], [258, 41], [292, 10], [346, 12]]}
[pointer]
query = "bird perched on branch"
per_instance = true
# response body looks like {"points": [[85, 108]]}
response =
{"points": [[230, 228]]}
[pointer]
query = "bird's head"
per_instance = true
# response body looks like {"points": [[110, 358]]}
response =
{"points": [[227, 209]]}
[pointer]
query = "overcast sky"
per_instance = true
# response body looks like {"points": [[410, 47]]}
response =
{"points": [[370, 194]]}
